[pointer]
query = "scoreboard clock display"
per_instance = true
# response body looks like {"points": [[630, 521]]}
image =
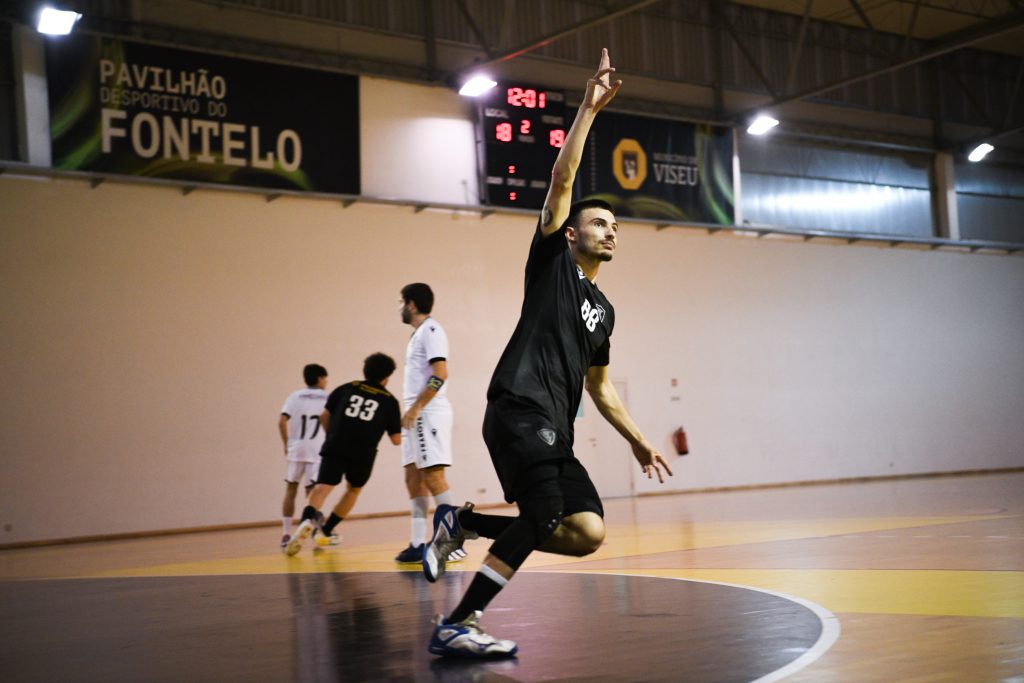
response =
{"points": [[520, 130]]}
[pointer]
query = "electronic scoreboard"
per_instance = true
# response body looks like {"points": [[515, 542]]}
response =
{"points": [[520, 129]]}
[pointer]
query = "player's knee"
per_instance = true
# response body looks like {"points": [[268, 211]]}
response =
{"points": [[588, 533], [590, 544], [414, 482], [545, 514], [435, 479]]}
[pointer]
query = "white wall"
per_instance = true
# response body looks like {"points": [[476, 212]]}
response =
{"points": [[151, 337], [417, 143]]}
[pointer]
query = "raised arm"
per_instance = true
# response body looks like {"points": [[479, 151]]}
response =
{"points": [[600, 91], [610, 405]]}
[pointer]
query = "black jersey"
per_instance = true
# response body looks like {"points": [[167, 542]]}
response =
{"points": [[360, 414], [564, 328]]}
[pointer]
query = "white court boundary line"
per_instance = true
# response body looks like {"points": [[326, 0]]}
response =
{"points": [[830, 628]]}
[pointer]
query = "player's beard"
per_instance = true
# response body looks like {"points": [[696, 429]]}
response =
{"points": [[406, 316], [596, 253]]}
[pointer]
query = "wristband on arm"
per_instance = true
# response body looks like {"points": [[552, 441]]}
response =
{"points": [[435, 383]]}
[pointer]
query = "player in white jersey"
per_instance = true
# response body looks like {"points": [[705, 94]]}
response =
{"points": [[427, 422], [302, 435]]}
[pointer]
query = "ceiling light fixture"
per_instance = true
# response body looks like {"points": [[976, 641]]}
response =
{"points": [[56, 22], [762, 124], [980, 152], [476, 86]]}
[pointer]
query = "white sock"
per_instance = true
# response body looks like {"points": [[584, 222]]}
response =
{"points": [[444, 498], [286, 522], [493, 575], [419, 506]]}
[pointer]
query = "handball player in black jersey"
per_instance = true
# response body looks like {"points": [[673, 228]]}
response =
{"points": [[560, 346], [356, 416]]}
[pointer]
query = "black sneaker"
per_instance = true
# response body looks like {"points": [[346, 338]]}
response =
{"points": [[411, 555]]}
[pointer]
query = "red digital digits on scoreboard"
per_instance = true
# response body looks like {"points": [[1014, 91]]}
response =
{"points": [[503, 132], [522, 127], [526, 97]]}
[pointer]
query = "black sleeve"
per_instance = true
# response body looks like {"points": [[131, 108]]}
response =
{"points": [[544, 250], [334, 399], [601, 356], [394, 425]]}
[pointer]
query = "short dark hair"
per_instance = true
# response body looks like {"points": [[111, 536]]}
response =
{"points": [[312, 374], [579, 207], [421, 295], [378, 367]]}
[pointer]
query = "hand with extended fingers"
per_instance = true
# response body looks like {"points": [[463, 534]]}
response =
{"points": [[600, 89], [650, 461]]}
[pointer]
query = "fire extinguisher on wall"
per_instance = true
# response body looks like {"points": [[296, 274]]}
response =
{"points": [[679, 441]]}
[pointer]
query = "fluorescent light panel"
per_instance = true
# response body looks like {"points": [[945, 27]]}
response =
{"points": [[55, 22], [477, 85]]}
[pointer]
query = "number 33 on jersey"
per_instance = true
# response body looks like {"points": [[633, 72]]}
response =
{"points": [[361, 408]]}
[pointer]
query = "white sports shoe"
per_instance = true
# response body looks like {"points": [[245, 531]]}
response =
{"points": [[467, 639], [447, 539], [304, 531]]}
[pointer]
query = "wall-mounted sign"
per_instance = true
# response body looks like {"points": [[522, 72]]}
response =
{"points": [[657, 168], [136, 109]]}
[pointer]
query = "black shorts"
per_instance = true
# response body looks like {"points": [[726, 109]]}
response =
{"points": [[356, 468], [532, 461]]}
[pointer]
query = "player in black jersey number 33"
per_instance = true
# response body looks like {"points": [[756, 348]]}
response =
{"points": [[559, 347]]}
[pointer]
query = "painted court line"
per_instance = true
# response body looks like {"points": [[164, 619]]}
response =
{"points": [[830, 628]]}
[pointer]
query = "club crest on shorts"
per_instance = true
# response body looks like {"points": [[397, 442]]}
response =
{"points": [[547, 436]]}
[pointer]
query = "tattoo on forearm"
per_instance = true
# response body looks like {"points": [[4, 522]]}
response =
{"points": [[545, 220]]}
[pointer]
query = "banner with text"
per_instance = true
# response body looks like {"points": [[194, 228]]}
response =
{"points": [[656, 168], [142, 110]]}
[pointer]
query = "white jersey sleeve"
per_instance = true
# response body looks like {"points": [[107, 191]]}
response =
{"points": [[429, 342], [435, 342]]}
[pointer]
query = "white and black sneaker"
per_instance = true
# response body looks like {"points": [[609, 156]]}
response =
{"points": [[448, 538], [467, 639]]}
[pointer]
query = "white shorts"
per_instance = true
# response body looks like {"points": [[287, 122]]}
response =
{"points": [[429, 443], [301, 472]]}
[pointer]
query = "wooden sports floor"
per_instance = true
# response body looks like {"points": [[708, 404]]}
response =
{"points": [[897, 580]]}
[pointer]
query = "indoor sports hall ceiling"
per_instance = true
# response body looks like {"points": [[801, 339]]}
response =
{"points": [[914, 74], [923, 19]]}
